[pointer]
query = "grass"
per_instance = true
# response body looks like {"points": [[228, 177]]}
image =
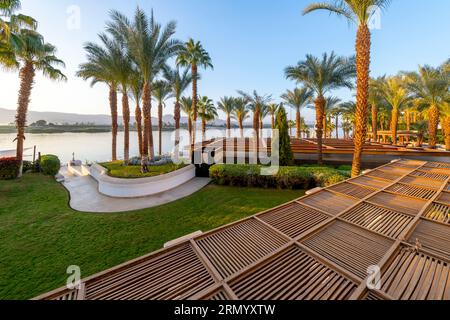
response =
{"points": [[40, 236], [118, 170]]}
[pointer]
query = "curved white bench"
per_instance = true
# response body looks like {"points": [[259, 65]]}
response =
{"points": [[142, 187]]}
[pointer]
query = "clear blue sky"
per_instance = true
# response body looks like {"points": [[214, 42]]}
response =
{"points": [[250, 42]]}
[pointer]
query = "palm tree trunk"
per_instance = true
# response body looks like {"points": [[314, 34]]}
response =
{"points": [[394, 125], [320, 108], [126, 127], [138, 116], [194, 100], [273, 121], [256, 131], [160, 125], [177, 117], [325, 129], [229, 125], [147, 108], [433, 116], [363, 43], [337, 126], [446, 129], [27, 74], [298, 123], [241, 128], [374, 122], [114, 125]]}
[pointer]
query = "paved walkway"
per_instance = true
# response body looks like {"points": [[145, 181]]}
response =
{"points": [[84, 195]]}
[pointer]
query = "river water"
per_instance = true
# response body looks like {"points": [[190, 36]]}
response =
{"points": [[96, 147]]}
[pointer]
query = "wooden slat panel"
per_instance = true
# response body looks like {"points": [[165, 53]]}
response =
{"points": [[417, 276], [422, 182], [219, 295], [438, 212], [369, 182], [386, 175], [350, 247], [329, 202], [383, 221], [240, 245], [353, 190], [177, 274], [430, 175], [413, 191], [432, 236], [398, 203], [444, 198], [293, 219], [294, 275], [372, 296]]}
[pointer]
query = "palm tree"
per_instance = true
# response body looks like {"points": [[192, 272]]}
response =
{"points": [[136, 85], [102, 67], [330, 104], [161, 92], [336, 112], [186, 107], [375, 100], [11, 23], [396, 96], [226, 105], [240, 113], [320, 77], [33, 54], [272, 110], [178, 82], [256, 103], [348, 110], [208, 112], [446, 126], [429, 88], [150, 45], [193, 55], [359, 12], [297, 99]]}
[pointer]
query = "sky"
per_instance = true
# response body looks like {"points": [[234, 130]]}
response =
{"points": [[250, 42]]}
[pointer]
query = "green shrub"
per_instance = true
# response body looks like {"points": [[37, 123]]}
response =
{"points": [[286, 178], [50, 164], [9, 168], [29, 166]]}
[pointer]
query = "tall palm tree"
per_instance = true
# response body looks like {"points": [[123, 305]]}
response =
{"points": [[33, 54], [256, 103], [178, 82], [272, 110], [321, 76], [102, 67], [136, 85], [297, 99], [359, 12], [446, 125], [336, 112], [226, 105], [186, 107], [193, 55], [240, 113], [375, 100], [161, 92], [150, 46], [396, 96], [208, 112], [429, 87], [348, 110], [330, 104]]}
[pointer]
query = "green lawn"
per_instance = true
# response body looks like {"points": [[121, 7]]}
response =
{"points": [[40, 236], [118, 170]]}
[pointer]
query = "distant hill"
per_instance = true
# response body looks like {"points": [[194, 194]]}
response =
{"points": [[8, 116]]}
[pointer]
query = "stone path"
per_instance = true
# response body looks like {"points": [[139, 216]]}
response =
{"points": [[84, 195]]}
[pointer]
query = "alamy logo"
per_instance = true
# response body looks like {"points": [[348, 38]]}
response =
{"points": [[375, 18], [74, 17], [374, 278], [74, 280]]}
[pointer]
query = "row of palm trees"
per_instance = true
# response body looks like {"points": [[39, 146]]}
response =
{"points": [[132, 59], [24, 50]]}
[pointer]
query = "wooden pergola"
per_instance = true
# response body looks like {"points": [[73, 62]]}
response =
{"points": [[320, 246]]}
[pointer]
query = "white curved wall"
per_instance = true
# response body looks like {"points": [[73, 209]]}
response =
{"points": [[133, 188]]}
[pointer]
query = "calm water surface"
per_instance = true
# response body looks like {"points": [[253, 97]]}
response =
{"points": [[94, 147]]}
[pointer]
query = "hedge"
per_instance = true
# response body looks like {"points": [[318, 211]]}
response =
{"points": [[286, 178], [9, 168], [50, 164]]}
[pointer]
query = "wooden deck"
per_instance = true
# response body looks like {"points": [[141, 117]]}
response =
{"points": [[320, 246], [334, 151]]}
